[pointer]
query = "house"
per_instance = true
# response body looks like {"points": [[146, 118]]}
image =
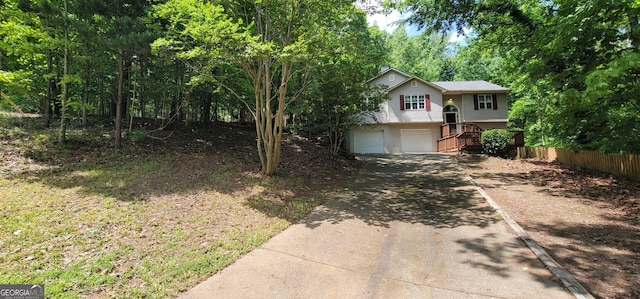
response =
{"points": [[421, 116]]}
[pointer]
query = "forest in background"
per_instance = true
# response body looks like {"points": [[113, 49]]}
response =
{"points": [[573, 66]]}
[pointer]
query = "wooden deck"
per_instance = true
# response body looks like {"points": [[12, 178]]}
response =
{"points": [[467, 137]]}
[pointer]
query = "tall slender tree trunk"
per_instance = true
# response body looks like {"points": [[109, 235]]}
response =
{"points": [[131, 103], [206, 109], [50, 82], [62, 133], [541, 120], [141, 100], [633, 14], [215, 110], [119, 100], [85, 91]]}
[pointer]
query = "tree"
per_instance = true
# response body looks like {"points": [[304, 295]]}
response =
{"points": [[276, 52], [564, 59], [124, 33], [424, 55], [339, 97], [25, 38]]}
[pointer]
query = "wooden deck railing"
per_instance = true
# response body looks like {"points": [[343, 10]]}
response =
{"points": [[467, 137], [449, 143], [458, 128]]}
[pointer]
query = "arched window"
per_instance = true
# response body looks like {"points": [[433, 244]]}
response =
{"points": [[450, 114], [450, 108]]}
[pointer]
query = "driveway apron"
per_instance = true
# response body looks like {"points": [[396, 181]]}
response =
{"points": [[409, 226]]}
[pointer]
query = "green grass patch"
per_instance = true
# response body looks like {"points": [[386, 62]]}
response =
{"points": [[88, 221]]}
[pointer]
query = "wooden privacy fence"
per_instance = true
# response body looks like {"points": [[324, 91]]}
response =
{"points": [[627, 165]]}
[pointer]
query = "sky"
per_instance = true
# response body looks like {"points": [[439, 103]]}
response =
{"points": [[387, 22]]}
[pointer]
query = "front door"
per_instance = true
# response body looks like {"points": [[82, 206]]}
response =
{"points": [[451, 117]]}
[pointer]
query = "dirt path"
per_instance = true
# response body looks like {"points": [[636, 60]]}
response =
{"points": [[588, 221]]}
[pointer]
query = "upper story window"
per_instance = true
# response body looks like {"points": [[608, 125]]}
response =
{"points": [[392, 78], [414, 83], [414, 102], [485, 101]]}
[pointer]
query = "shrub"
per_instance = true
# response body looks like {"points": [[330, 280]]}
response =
{"points": [[496, 142]]}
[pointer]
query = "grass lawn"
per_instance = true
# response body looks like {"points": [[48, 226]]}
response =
{"points": [[152, 220]]}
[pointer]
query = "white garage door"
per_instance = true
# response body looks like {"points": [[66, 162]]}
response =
{"points": [[369, 142], [416, 141]]}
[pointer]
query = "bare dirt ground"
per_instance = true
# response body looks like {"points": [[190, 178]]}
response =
{"points": [[588, 221]]}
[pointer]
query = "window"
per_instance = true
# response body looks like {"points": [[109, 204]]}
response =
{"points": [[485, 101], [414, 102], [392, 78], [414, 83], [367, 101]]}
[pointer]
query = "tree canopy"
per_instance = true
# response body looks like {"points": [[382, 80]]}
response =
{"points": [[299, 66], [189, 61], [573, 65]]}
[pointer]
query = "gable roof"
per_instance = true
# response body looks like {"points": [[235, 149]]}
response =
{"points": [[387, 71], [409, 78], [417, 79], [470, 86], [450, 87]]}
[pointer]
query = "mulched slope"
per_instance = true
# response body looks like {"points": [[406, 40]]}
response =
{"points": [[587, 220]]}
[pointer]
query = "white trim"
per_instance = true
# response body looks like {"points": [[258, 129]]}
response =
{"points": [[485, 101], [415, 102], [411, 144], [444, 113]]}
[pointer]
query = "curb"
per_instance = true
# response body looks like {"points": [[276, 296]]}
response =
{"points": [[567, 279]]}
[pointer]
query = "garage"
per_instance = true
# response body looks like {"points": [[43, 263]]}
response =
{"points": [[368, 142], [416, 140]]}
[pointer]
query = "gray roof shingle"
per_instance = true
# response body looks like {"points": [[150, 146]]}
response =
{"points": [[470, 86]]}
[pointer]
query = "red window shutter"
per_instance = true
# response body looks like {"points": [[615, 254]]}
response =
{"points": [[401, 102], [495, 101], [475, 102], [427, 102]]}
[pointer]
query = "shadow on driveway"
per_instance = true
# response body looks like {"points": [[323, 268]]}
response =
{"points": [[408, 227], [425, 189]]}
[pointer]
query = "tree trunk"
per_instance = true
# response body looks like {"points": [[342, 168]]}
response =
{"points": [[269, 125], [119, 100], [85, 93], [634, 29], [215, 110], [131, 103], [206, 109], [50, 83], [101, 107], [62, 133], [143, 110]]}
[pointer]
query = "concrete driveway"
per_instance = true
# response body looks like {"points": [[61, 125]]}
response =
{"points": [[410, 226]]}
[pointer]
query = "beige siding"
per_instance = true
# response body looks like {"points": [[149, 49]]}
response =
{"points": [[385, 79], [491, 125], [391, 113], [469, 114], [392, 135]]}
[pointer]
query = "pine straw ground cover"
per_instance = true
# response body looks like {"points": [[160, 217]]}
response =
{"points": [[152, 220], [588, 221]]}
